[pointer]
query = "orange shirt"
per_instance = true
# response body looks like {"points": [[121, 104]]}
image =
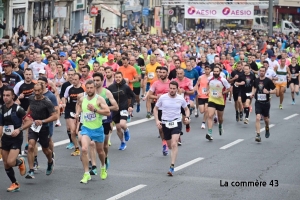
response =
{"points": [[129, 73]]}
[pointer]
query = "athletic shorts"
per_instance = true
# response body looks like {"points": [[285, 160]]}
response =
{"points": [[236, 94], [183, 111], [279, 85], [147, 87], [202, 101], [43, 137], [244, 97], [169, 132], [96, 135], [107, 128], [295, 81], [116, 117], [192, 97], [218, 107], [262, 108], [137, 90], [68, 114], [9, 143], [79, 128]]}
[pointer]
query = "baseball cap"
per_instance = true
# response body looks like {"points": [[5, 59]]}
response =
{"points": [[62, 54], [111, 57], [42, 71], [7, 63], [43, 79]]}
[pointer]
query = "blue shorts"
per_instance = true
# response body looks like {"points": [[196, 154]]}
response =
{"points": [[97, 135], [192, 97], [147, 87]]}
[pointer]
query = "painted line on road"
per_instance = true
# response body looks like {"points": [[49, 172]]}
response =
{"points": [[187, 164], [232, 143], [127, 192], [291, 116], [270, 126]]}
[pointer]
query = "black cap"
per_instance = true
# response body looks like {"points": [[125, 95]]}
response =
{"points": [[7, 63], [43, 79]]}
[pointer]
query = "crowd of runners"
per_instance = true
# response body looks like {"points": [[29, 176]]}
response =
{"points": [[98, 83]]}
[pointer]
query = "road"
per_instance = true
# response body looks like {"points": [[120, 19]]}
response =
{"points": [[202, 168]]}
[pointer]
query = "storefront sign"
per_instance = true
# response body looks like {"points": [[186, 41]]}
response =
{"points": [[19, 10], [219, 11], [94, 11], [145, 11]]}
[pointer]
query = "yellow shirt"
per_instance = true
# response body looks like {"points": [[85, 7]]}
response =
{"points": [[150, 71], [183, 65]]}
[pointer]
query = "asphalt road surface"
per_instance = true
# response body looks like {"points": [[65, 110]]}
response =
{"points": [[203, 168]]}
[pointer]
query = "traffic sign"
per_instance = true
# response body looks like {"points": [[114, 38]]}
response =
{"points": [[145, 11], [171, 12], [94, 11]]}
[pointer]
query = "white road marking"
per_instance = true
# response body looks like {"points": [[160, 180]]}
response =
{"points": [[291, 116], [187, 164], [232, 143], [127, 192], [270, 126]]}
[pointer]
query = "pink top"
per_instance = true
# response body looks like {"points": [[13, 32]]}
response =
{"points": [[51, 75], [115, 66], [186, 84], [159, 87]]}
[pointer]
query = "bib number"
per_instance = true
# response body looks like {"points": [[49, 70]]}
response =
{"points": [[36, 128], [172, 124], [104, 117], [261, 97], [281, 80], [151, 75], [204, 90], [8, 129], [124, 113], [214, 93], [89, 117]]}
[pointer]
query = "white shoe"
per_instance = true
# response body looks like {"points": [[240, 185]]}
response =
{"points": [[203, 126]]}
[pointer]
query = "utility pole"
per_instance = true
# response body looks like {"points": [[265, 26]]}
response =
{"points": [[270, 18]]}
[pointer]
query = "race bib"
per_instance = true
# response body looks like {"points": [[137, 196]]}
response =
{"points": [[104, 117], [293, 75], [261, 97], [151, 75], [124, 113], [90, 116], [172, 124], [248, 94], [204, 90], [8, 129], [280, 79], [214, 93], [36, 128]]}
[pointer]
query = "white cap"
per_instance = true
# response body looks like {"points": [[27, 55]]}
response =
{"points": [[42, 71]]}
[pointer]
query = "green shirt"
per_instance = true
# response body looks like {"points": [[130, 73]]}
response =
{"points": [[91, 119], [138, 70], [102, 60]]}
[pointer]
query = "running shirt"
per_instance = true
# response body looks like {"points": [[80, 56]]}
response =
{"points": [[150, 71], [114, 66], [281, 74], [260, 85], [294, 70], [202, 89], [71, 94], [40, 109], [216, 88], [129, 73], [105, 119], [137, 84], [10, 80], [240, 79], [159, 87], [61, 80], [26, 90], [36, 67], [249, 82], [187, 85], [91, 119], [192, 75]]}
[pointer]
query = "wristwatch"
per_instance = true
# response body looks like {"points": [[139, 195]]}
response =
{"points": [[21, 129], [95, 110], [43, 121]]}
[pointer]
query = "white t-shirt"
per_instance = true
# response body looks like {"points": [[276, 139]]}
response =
{"points": [[272, 64], [171, 107], [36, 67], [270, 73]]}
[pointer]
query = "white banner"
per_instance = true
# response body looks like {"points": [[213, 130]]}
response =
{"points": [[219, 11]]}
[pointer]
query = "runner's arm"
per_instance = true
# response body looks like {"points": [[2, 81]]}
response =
{"points": [[104, 107], [78, 105], [114, 106]]}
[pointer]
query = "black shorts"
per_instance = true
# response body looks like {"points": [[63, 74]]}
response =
{"points": [[142, 76], [295, 81], [244, 97], [107, 128], [218, 107], [68, 114], [79, 128], [169, 132], [137, 90], [183, 111], [43, 137], [9, 142], [116, 117], [202, 101], [159, 114], [236, 94], [262, 108]]}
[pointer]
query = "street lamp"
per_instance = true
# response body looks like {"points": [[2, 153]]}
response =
{"points": [[121, 3]]}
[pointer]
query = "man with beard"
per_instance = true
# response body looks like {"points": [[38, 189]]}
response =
{"points": [[93, 108], [262, 89], [171, 104], [109, 78], [217, 88]]}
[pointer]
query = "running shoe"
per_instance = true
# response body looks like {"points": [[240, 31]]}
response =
{"points": [[280, 106], [70, 146], [86, 177], [246, 121], [209, 137], [107, 163], [257, 138], [76, 153], [93, 171], [30, 175], [22, 167], [237, 117], [241, 116], [203, 126], [187, 128], [50, 168], [36, 165], [90, 165], [26, 149], [14, 187], [58, 124], [148, 115], [138, 108], [165, 150], [171, 171], [122, 146], [179, 141], [196, 114], [293, 103], [103, 174], [267, 133], [127, 135]]}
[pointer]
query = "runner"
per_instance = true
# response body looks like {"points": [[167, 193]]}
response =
{"points": [[93, 107], [217, 88], [109, 78], [11, 134], [171, 105], [137, 84], [37, 66], [294, 82], [262, 89]]}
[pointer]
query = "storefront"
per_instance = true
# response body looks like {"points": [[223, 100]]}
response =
{"points": [[18, 15], [77, 17]]}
